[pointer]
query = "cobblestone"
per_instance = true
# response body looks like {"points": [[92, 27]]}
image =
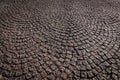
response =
{"points": [[59, 40]]}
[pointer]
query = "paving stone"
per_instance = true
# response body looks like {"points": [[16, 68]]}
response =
{"points": [[1, 77], [59, 39]]}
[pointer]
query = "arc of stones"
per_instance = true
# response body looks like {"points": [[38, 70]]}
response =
{"points": [[59, 40]]}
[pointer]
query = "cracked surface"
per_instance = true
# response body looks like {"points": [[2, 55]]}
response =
{"points": [[60, 39]]}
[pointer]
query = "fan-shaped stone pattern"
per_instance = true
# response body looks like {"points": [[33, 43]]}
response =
{"points": [[59, 39]]}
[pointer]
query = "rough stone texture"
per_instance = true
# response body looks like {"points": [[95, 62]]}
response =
{"points": [[60, 39]]}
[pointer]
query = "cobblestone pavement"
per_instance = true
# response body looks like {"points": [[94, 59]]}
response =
{"points": [[60, 39]]}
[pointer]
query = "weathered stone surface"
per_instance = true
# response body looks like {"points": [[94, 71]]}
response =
{"points": [[60, 39]]}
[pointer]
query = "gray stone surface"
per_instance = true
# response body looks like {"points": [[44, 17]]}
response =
{"points": [[60, 39]]}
